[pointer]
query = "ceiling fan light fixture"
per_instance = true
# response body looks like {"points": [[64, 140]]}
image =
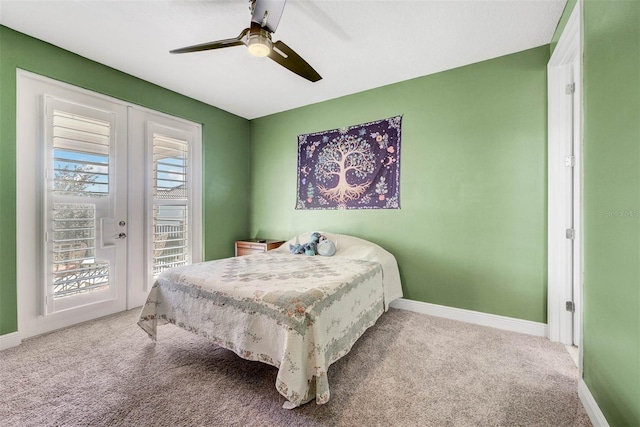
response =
{"points": [[259, 44]]}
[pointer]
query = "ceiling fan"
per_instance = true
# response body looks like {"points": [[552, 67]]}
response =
{"points": [[265, 16]]}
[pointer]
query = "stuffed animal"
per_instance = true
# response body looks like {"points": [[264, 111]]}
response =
{"points": [[310, 248]]}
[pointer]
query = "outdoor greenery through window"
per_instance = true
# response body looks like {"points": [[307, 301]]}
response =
{"points": [[80, 174]]}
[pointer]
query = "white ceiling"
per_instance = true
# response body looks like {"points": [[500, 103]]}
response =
{"points": [[354, 45]]}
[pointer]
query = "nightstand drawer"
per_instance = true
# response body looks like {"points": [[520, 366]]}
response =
{"points": [[256, 246]]}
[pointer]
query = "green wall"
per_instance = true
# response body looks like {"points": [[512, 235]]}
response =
{"points": [[612, 208], [611, 301], [472, 229], [225, 146]]}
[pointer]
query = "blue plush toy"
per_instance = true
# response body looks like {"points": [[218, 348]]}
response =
{"points": [[310, 248]]}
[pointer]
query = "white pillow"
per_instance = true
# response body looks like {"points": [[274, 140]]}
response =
{"points": [[326, 248], [356, 248]]}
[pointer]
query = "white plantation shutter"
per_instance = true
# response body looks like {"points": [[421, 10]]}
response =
{"points": [[79, 164], [75, 269], [77, 132], [170, 202], [81, 154]]}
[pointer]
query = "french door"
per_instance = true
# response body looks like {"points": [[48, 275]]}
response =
{"points": [[85, 207], [108, 196]]}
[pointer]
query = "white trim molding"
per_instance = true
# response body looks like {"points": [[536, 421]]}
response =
{"points": [[10, 340], [476, 317], [565, 194], [591, 406]]}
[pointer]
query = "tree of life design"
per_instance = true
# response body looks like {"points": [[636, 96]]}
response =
{"points": [[342, 155]]}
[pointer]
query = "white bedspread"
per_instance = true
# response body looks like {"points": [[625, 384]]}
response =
{"points": [[297, 313]]}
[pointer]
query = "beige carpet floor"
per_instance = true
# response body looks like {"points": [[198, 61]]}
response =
{"points": [[407, 370]]}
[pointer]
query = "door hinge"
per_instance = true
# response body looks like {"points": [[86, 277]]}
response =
{"points": [[570, 89], [570, 233], [570, 305], [570, 161]]}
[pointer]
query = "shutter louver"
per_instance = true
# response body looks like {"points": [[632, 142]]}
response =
{"points": [[81, 148], [169, 168], [81, 155], [170, 194], [75, 269]]}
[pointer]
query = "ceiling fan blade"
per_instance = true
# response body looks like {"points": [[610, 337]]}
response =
{"points": [[219, 44], [285, 56]]}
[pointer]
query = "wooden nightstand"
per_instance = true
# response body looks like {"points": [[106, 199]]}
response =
{"points": [[256, 246]]}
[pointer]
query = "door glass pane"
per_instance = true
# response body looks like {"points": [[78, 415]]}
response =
{"points": [[80, 174], [170, 202], [169, 237], [169, 167], [80, 132], [80, 153], [75, 269]]}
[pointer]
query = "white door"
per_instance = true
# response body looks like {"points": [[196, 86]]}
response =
{"points": [[565, 193], [85, 208], [576, 200], [72, 196], [164, 197], [572, 207]]}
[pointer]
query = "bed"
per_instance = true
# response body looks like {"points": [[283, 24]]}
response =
{"points": [[298, 313]]}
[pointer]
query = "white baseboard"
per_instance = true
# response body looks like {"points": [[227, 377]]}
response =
{"points": [[476, 317], [10, 340], [591, 406]]}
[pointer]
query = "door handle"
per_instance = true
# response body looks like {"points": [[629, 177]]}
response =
{"points": [[122, 236]]}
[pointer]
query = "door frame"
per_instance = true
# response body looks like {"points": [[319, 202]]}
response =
{"points": [[564, 117], [33, 318]]}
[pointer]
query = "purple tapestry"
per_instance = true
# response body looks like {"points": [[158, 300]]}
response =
{"points": [[351, 168]]}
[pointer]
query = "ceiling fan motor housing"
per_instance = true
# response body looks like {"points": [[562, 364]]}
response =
{"points": [[267, 13], [259, 41]]}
